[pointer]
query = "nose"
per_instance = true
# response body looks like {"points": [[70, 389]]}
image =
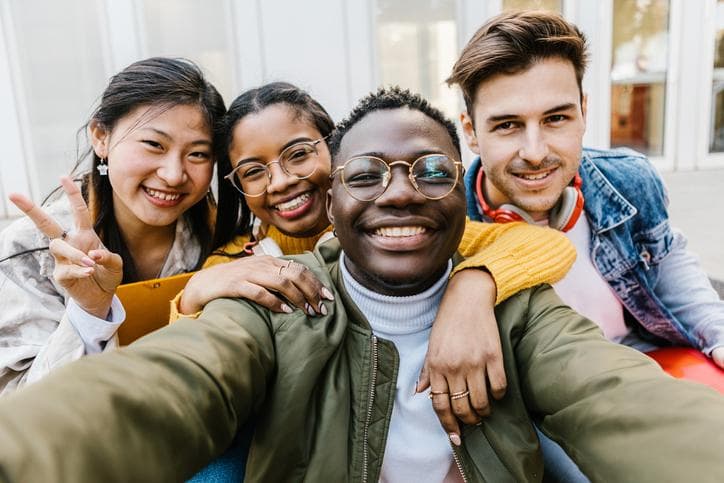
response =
{"points": [[535, 147], [172, 171], [400, 191], [279, 180]]}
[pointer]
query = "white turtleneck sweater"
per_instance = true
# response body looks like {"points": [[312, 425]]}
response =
{"points": [[417, 449]]}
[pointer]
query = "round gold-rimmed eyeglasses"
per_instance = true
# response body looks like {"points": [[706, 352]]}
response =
{"points": [[298, 161], [365, 178]]}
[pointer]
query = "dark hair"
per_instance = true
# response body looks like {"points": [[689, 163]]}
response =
{"points": [[390, 98], [155, 82], [233, 216], [511, 43]]}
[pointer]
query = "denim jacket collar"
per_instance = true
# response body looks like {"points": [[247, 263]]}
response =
{"points": [[606, 208]]}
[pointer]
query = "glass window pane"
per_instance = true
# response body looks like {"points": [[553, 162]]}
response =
{"points": [[194, 29], [550, 5], [61, 74], [716, 130], [417, 47], [638, 74]]}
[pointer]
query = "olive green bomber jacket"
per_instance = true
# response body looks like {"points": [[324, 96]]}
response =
{"points": [[321, 391]]}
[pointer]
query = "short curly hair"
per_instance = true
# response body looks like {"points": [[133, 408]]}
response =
{"points": [[393, 97]]}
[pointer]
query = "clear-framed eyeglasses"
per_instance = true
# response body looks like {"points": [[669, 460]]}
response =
{"points": [[365, 178], [298, 161]]}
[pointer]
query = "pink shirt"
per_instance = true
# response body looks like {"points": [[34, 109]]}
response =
{"points": [[585, 290]]}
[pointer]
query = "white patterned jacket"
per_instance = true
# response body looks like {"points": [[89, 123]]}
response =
{"points": [[36, 335]]}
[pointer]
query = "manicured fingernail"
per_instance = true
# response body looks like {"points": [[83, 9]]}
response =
{"points": [[88, 262], [455, 439], [286, 309], [309, 309], [322, 309], [327, 294]]}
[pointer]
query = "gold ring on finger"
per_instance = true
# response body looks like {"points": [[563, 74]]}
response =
{"points": [[437, 393], [289, 264], [460, 395]]}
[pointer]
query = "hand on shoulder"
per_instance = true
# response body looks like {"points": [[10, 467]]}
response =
{"points": [[272, 282]]}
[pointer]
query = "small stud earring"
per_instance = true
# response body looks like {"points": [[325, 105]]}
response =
{"points": [[102, 167]]}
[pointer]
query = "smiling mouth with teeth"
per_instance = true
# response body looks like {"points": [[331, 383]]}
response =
{"points": [[163, 196], [294, 203], [400, 231], [533, 177]]}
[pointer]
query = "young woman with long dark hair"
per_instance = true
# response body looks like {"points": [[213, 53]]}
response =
{"points": [[141, 210]]}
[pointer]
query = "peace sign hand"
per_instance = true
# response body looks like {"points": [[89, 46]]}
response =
{"points": [[83, 266]]}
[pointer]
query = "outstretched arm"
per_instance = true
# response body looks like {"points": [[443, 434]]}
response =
{"points": [[614, 411], [157, 410]]}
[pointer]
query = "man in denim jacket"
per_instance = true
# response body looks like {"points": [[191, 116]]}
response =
{"points": [[521, 77]]}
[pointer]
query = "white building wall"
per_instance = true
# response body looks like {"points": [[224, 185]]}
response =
{"points": [[13, 162], [307, 43]]}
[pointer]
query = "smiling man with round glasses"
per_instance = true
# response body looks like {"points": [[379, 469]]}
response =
{"points": [[366, 177]]}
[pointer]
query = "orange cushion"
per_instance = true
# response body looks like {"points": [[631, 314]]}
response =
{"points": [[690, 364]]}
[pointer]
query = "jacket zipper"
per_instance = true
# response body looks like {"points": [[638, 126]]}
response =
{"points": [[368, 419], [456, 457]]}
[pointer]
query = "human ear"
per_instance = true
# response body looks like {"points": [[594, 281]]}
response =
{"points": [[584, 106], [469, 132], [99, 136], [329, 207]]}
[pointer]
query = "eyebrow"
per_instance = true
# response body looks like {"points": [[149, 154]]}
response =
{"points": [[302, 139], [164, 134], [416, 154], [562, 107]]}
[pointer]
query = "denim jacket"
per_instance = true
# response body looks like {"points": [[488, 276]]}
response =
{"points": [[636, 251]]}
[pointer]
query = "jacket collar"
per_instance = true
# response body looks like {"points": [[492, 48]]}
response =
{"points": [[329, 252], [605, 207], [474, 210]]}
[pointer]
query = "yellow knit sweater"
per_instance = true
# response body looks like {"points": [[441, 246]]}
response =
{"points": [[288, 244], [517, 255]]}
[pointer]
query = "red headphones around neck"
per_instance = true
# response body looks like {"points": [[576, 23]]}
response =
{"points": [[563, 215]]}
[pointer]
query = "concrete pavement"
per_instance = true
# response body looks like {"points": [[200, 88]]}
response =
{"points": [[697, 209]]}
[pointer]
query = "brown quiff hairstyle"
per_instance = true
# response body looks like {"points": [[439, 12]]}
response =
{"points": [[511, 43]]}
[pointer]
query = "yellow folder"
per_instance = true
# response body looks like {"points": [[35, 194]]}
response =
{"points": [[147, 305]]}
